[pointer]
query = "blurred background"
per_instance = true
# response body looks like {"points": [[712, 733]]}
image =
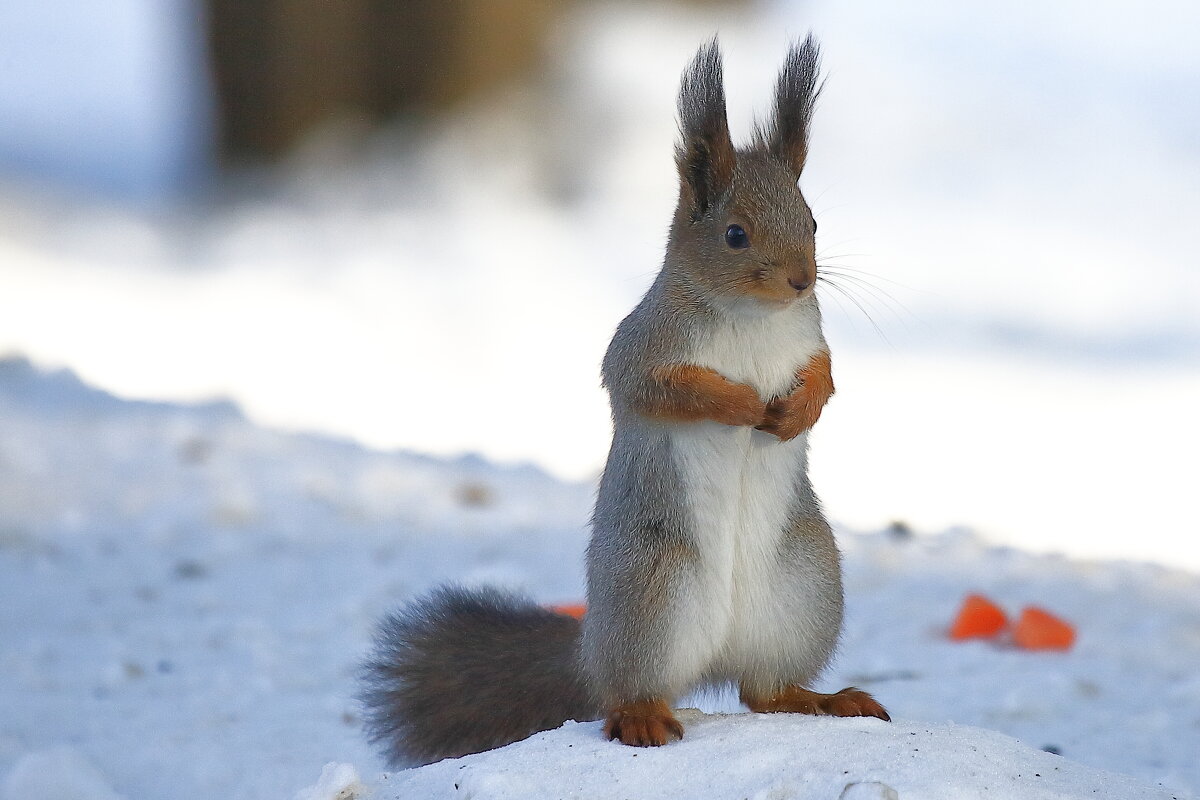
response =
{"points": [[416, 224]]}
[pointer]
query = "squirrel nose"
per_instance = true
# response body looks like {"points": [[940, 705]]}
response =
{"points": [[799, 286]]}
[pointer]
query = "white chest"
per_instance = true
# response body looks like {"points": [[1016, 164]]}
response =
{"points": [[762, 350]]}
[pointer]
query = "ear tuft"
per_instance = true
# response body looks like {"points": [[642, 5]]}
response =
{"points": [[786, 136], [705, 154]]}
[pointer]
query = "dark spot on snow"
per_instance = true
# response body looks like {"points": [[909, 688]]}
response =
{"points": [[384, 555], [474, 494], [195, 450], [165, 667], [190, 569], [899, 529], [1053, 749]]}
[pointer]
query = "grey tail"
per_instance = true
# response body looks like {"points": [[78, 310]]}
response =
{"points": [[465, 670]]}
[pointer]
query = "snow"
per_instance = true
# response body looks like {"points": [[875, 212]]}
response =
{"points": [[770, 757], [109, 98], [187, 584], [337, 782], [185, 597], [61, 773]]}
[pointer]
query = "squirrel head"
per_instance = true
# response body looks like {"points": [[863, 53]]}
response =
{"points": [[742, 229]]}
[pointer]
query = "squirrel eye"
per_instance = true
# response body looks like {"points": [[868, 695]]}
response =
{"points": [[735, 237], [814, 226]]}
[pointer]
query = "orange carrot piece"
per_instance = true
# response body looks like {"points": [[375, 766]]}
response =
{"points": [[575, 610], [1038, 629], [979, 618]]}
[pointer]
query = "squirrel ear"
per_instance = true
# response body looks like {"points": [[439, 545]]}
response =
{"points": [[705, 154], [786, 137]]}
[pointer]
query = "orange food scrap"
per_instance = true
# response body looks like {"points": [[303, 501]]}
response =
{"points": [[1038, 629], [979, 618], [575, 610]]}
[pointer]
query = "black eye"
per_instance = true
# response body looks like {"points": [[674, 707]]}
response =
{"points": [[735, 237], [814, 226]]}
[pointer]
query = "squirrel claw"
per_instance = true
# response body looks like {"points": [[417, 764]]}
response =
{"points": [[788, 417], [647, 723], [851, 702]]}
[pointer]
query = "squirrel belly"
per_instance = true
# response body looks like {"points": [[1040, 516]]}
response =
{"points": [[738, 580]]}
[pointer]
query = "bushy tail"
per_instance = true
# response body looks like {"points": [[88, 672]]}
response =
{"points": [[465, 670]]}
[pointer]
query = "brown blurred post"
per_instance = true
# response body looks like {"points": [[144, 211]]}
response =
{"points": [[283, 66]]}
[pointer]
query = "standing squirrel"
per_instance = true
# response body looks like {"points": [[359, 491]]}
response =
{"points": [[710, 560]]}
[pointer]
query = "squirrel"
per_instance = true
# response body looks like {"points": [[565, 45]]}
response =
{"points": [[710, 560]]}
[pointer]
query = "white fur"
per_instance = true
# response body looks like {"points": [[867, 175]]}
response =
{"points": [[740, 485]]}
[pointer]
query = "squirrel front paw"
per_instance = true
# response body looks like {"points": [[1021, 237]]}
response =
{"points": [[740, 407], [788, 417]]}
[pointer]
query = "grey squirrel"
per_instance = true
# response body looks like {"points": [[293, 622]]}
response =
{"points": [[710, 560]]}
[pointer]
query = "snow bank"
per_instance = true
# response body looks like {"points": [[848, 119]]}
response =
{"points": [[770, 757], [184, 598], [60, 773]]}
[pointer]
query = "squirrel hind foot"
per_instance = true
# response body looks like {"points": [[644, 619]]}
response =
{"points": [[849, 702], [643, 723]]}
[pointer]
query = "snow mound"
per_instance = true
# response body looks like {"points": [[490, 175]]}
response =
{"points": [[769, 757], [337, 782], [60, 773]]}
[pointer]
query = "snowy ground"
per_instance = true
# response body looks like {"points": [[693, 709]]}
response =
{"points": [[184, 596], [184, 593], [772, 758]]}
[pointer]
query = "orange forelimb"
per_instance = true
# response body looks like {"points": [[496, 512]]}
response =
{"points": [[687, 393]]}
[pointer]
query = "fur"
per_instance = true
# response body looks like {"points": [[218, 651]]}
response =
{"points": [[747, 582], [465, 670]]}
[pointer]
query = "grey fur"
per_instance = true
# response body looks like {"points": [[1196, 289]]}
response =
{"points": [[640, 553], [702, 95], [786, 134], [465, 670], [705, 154]]}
